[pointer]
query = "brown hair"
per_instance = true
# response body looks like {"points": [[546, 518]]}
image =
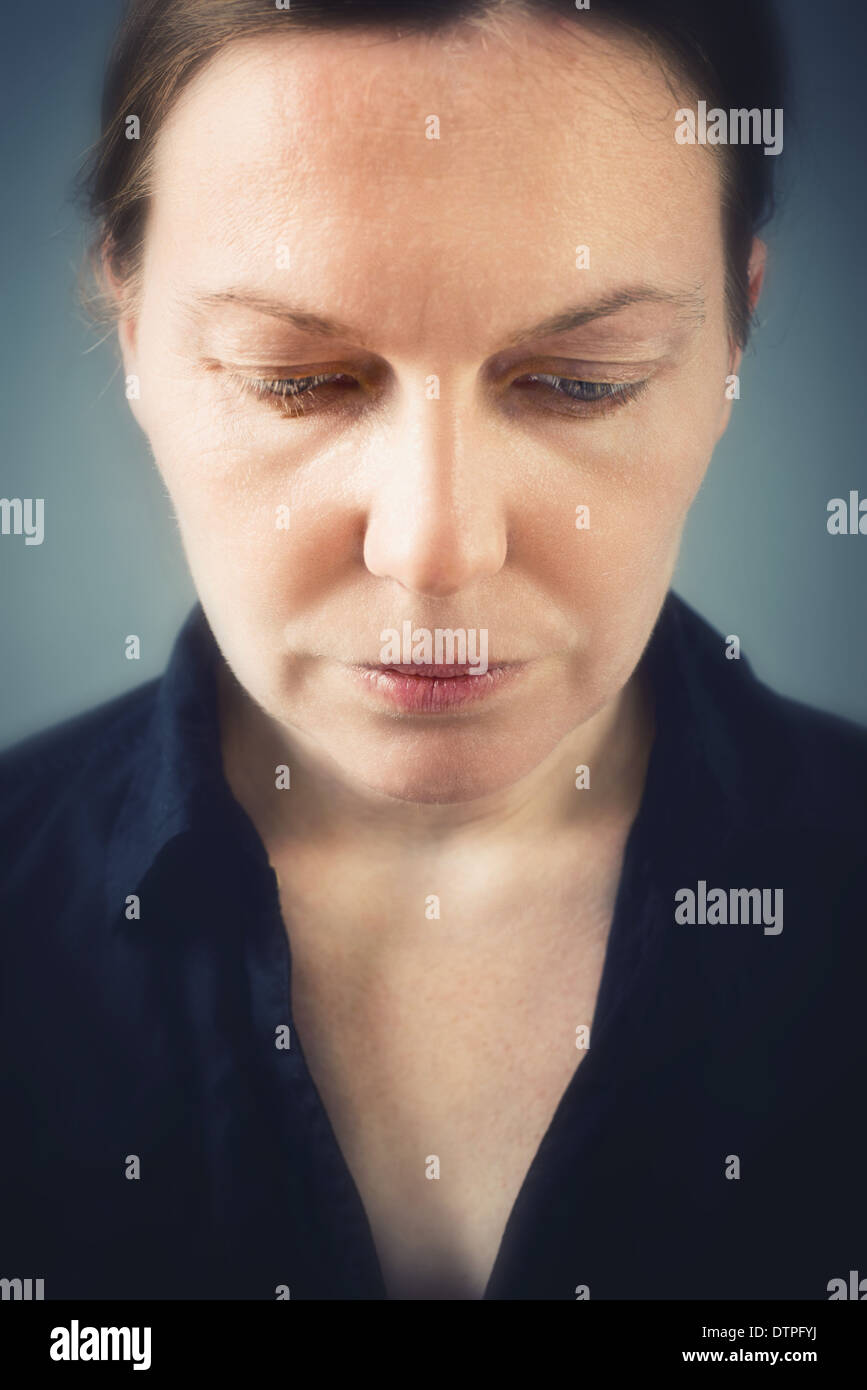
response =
{"points": [[735, 61]]}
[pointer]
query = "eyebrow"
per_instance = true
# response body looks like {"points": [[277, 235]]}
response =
{"points": [[303, 319], [688, 302]]}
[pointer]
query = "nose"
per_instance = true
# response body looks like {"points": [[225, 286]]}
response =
{"points": [[437, 520]]}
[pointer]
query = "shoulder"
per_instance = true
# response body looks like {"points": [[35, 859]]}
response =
{"points": [[787, 761], [77, 768]]}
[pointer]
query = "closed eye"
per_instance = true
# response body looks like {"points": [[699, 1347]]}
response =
{"points": [[297, 394], [578, 396]]}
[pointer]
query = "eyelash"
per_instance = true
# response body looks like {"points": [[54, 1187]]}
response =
{"points": [[291, 392], [593, 397], [578, 396]]}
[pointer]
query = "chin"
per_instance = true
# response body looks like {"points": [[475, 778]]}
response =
{"points": [[448, 776]]}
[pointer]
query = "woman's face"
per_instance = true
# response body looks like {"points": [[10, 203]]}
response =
{"points": [[305, 224]]}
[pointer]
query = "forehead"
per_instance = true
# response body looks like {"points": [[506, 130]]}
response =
{"points": [[549, 137]]}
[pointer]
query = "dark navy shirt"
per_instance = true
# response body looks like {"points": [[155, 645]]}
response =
{"points": [[156, 1142]]}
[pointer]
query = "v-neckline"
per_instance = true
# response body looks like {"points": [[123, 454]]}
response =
{"points": [[613, 986]]}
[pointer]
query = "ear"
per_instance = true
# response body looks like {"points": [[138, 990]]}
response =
{"points": [[755, 279], [756, 271], [127, 328]]}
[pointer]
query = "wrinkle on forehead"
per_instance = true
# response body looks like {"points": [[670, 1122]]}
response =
{"points": [[534, 70], [319, 139], [553, 119]]}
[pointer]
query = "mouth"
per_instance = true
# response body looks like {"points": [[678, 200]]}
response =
{"points": [[448, 672], [427, 689]]}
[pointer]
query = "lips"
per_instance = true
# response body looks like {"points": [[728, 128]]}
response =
{"points": [[433, 689], [447, 672]]}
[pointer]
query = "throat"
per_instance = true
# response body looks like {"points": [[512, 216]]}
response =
{"points": [[440, 1047]]}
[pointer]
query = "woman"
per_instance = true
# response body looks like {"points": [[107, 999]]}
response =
{"points": [[458, 917]]}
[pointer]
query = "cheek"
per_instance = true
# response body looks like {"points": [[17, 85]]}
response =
{"points": [[636, 482], [234, 490], [612, 575]]}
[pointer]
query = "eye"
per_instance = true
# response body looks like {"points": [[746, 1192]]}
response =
{"points": [[581, 397], [297, 395]]}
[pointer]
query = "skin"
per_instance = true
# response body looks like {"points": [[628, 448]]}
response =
{"points": [[434, 257]]}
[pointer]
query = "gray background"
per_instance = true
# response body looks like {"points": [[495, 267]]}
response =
{"points": [[757, 559]]}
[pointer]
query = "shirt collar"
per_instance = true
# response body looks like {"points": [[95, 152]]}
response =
{"points": [[177, 783], [695, 774], [696, 692]]}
